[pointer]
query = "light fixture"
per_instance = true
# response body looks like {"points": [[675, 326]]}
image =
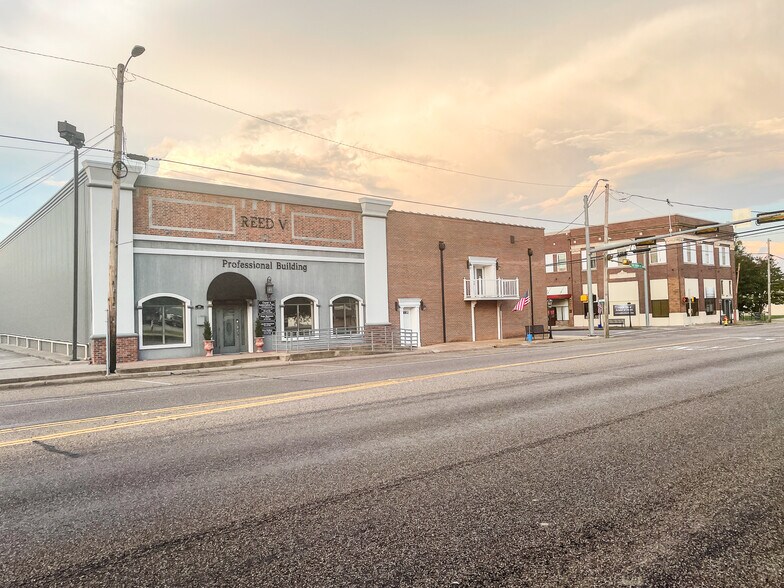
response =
{"points": [[269, 287], [422, 305], [397, 306]]}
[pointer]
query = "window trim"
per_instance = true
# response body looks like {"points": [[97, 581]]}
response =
{"points": [[661, 251], [692, 246], [704, 247], [729, 256], [360, 313], [186, 321], [316, 306]]}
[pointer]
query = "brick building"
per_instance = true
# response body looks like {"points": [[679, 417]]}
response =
{"points": [[191, 252], [485, 268], [691, 278]]}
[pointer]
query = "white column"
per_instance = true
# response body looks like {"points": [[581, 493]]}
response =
{"points": [[473, 321], [498, 312], [374, 235], [99, 184]]}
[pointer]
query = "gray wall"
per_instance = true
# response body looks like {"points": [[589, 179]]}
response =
{"points": [[190, 276], [36, 272]]}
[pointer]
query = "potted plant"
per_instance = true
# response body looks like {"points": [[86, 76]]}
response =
{"points": [[259, 332], [209, 345]]}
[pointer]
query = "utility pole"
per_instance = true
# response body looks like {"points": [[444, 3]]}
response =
{"points": [[770, 308], [588, 267], [119, 171], [645, 289], [606, 307]]}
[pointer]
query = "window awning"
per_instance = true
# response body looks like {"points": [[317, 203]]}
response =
{"points": [[558, 296]]}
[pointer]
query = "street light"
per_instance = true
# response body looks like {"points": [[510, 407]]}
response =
{"points": [[76, 140], [119, 171]]}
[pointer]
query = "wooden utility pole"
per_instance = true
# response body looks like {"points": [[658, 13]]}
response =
{"points": [[117, 174]]}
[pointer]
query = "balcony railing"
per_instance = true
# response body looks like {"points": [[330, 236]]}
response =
{"points": [[499, 289]]}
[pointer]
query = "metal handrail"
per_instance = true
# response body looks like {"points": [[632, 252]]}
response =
{"points": [[55, 346], [495, 289], [376, 339]]}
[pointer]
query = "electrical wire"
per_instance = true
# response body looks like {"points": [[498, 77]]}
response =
{"points": [[26, 188], [671, 202], [55, 57], [344, 144]]}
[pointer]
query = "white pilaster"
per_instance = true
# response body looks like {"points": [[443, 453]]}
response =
{"points": [[99, 184], [374, 235]]}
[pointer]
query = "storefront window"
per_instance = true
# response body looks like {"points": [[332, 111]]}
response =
{"points": [[298, 314], [163, 321], [345, 314]]}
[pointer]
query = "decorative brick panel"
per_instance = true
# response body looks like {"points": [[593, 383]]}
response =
{"points": [[172, 213], [127, 350]]}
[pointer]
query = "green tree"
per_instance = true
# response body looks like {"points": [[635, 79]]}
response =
{"points": [[753, 285]]}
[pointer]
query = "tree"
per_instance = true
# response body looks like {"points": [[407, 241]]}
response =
{"points": [[753, 284]]}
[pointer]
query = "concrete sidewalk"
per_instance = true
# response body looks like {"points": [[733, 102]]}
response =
{"points": [[23, 367]]}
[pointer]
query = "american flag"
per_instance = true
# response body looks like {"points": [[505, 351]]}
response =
{"points": [[524, 301]]}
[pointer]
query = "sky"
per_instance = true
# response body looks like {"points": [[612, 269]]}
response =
{"points": [[513, 107]]}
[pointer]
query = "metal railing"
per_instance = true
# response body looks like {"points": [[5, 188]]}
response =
{"points": [[498, 289], [376, 339], [45, 345]]}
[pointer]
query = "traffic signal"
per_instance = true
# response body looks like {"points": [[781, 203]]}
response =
{"points": [[626, 261], [770, 217]]}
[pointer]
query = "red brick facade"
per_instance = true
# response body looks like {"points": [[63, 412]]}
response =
{"points": [[127, 350], [415, 272], [675, 270], [173, 213]]}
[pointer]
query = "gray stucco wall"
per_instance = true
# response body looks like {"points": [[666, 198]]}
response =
{"points": [[189, 276], [36, 272]]}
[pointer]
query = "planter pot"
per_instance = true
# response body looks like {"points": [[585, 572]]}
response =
{"points": [[259, 344], [208, 347]]}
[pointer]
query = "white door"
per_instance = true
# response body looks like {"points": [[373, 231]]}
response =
{"points": [[479, 280], [409, 322]]}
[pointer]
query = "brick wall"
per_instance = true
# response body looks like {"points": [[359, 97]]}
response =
{"points": [[674, 271], [127, 350], [414, 272], [172, 213]]}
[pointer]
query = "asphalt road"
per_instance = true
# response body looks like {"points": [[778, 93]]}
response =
{"points": [[650, 460]]}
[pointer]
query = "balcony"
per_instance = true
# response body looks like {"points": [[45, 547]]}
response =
{"points": [[498, 289]]}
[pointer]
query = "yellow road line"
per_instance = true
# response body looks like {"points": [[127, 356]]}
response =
{"points": [[224, 406]]}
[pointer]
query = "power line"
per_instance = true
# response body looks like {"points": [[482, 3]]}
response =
{"points": [[357, 193], [55, 57], [26, 188], [316, 186], [671, 202], [344, 144]]}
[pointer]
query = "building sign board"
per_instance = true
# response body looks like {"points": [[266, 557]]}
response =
{"points": [[268, 316], [624, 309]]}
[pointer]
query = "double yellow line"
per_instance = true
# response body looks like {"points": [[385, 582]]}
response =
{"points": [[162, 415]]}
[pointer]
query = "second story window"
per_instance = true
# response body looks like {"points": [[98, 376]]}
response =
{"points": [[707, 253], [689, 252], [724, 255], [593, 260], [555, 262], [658, 254]]}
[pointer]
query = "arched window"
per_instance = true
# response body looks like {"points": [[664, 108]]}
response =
{"points": [[299, 315], [164, 321], [346, 314]]}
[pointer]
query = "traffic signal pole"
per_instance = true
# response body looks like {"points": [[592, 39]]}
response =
{"points": [[606, 263], [588, 254]]}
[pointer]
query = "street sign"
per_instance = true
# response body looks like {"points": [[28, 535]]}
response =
{"points": [[637, 265]]}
